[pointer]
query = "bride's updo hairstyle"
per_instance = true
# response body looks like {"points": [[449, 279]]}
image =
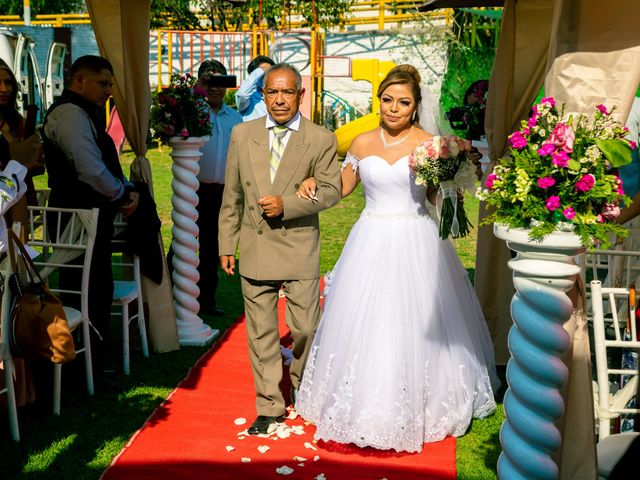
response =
{"points": [[404, 75]]}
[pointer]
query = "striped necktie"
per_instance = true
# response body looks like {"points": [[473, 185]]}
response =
{"points": [[277, 149]]}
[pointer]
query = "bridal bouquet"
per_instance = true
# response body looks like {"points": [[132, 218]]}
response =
{"points": [[560, 175], [446, 161], [180, 109]]}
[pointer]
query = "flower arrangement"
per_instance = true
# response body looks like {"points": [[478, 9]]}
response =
{"points": [[446, 162], [180, 109], [560, 176]]}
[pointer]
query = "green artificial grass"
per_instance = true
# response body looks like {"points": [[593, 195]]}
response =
{"points": [[82, 442]]}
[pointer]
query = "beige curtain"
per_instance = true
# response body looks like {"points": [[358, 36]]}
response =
{"points": [[516, 78], [122, 32], [594, 57]]}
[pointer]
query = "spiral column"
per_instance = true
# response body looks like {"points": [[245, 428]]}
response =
{"points": [[186, 154], [542, 274]]}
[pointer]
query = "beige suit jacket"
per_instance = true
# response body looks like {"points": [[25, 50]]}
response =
{"points": [[287, 247]]}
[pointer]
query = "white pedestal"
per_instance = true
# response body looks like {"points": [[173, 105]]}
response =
{"points": [[192, 331]]}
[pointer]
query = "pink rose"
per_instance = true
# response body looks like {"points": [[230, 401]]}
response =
{"points": [[552, 203], [585, 183], [546, 149], [633, 144], [517, 140], [169, 130], [599, 218], [546, 182], [602, 109], [492, 177], [562, 137], [444, 151], [610, 211], [569, 213], [560, 159], [184, 133]]}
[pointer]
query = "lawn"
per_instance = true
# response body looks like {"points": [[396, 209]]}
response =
{"points": [[91, 431]]}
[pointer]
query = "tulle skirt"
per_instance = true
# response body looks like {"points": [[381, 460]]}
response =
{"points": [[402, 355]]}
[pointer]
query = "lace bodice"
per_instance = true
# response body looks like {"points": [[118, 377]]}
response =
{"points": [[389, 189]]}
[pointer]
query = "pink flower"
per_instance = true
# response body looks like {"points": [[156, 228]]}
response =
{"points": [[184, 133], [548, 100], [169, 130], [585, 183], [562, 137], [546, 182], [569, 213], [552, 203], [599, 218], [533, 120], [620, 190], [444, 151], [490, 179], [633, 144], [610, 211], [526, 131], [603, 109], [546, 149], [560, 159], [517, 140], [172, 101]]}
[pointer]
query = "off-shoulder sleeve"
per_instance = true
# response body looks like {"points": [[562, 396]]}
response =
{"points": [[352, 160]]}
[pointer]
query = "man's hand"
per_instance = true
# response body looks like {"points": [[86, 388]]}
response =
{"points": [[272, 205], [130, 207], [228, 264], [28, 152]]}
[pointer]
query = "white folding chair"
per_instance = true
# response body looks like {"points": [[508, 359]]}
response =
{"points": [[611, 405], [58, 245], [126, 292], [5, 355]]}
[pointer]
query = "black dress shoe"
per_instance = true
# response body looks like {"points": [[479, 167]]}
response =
{"points": [[212, 310], [262, 424]]}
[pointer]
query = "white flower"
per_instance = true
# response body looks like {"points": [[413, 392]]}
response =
{"points": [[454, 150], [240, 421], [284, 470]]}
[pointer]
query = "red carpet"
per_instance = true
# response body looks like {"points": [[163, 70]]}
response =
{"points": [[186, 438]]}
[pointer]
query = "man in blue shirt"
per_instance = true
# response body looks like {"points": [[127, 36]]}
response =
{"points": [[249, 96], [212, 168]]}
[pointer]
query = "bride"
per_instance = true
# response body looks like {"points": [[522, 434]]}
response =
{"points": [[402, 355]]}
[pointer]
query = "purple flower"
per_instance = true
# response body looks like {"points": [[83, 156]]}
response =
{"points": [[546, 182], [610, 211], [552, 203], [585, 183], [560, 159], [517, 140], [602, 109], [546, 149], [569, 213]]}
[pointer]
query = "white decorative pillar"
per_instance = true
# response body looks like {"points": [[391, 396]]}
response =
{"points": [[192, 331], [543, 273]]}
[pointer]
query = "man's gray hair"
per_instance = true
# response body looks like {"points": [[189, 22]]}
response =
{"points": [[284, 66]]}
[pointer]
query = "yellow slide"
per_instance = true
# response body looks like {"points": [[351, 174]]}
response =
{"points": [[373, 71]]}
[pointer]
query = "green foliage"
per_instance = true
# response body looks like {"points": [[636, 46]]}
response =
{"points": [[175, 14], [466, 65], [16, 7]]}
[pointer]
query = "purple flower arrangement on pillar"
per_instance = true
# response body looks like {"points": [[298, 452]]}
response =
{"points": [[180, 109], [561, 175]]}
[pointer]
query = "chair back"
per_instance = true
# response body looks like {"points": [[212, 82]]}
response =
{"points": [[613, 338]]}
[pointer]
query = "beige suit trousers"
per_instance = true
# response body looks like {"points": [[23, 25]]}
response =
{"points": [[261, 310]]}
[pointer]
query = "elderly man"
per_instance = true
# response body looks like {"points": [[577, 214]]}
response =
{"points": [[278, 232]]}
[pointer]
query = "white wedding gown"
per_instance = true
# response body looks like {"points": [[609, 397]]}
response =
{"points": [[402, 355]]}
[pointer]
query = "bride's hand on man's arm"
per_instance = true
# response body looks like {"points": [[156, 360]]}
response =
{"points": [[307, 189]]}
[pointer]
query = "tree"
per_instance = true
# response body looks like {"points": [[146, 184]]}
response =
{"points": [[16, 7], [175, 14]]}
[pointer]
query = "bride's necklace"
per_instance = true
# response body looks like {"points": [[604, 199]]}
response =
{"points": [[386, 144]]}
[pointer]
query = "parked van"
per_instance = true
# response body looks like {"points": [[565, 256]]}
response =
{"points": [[16, 49]]}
